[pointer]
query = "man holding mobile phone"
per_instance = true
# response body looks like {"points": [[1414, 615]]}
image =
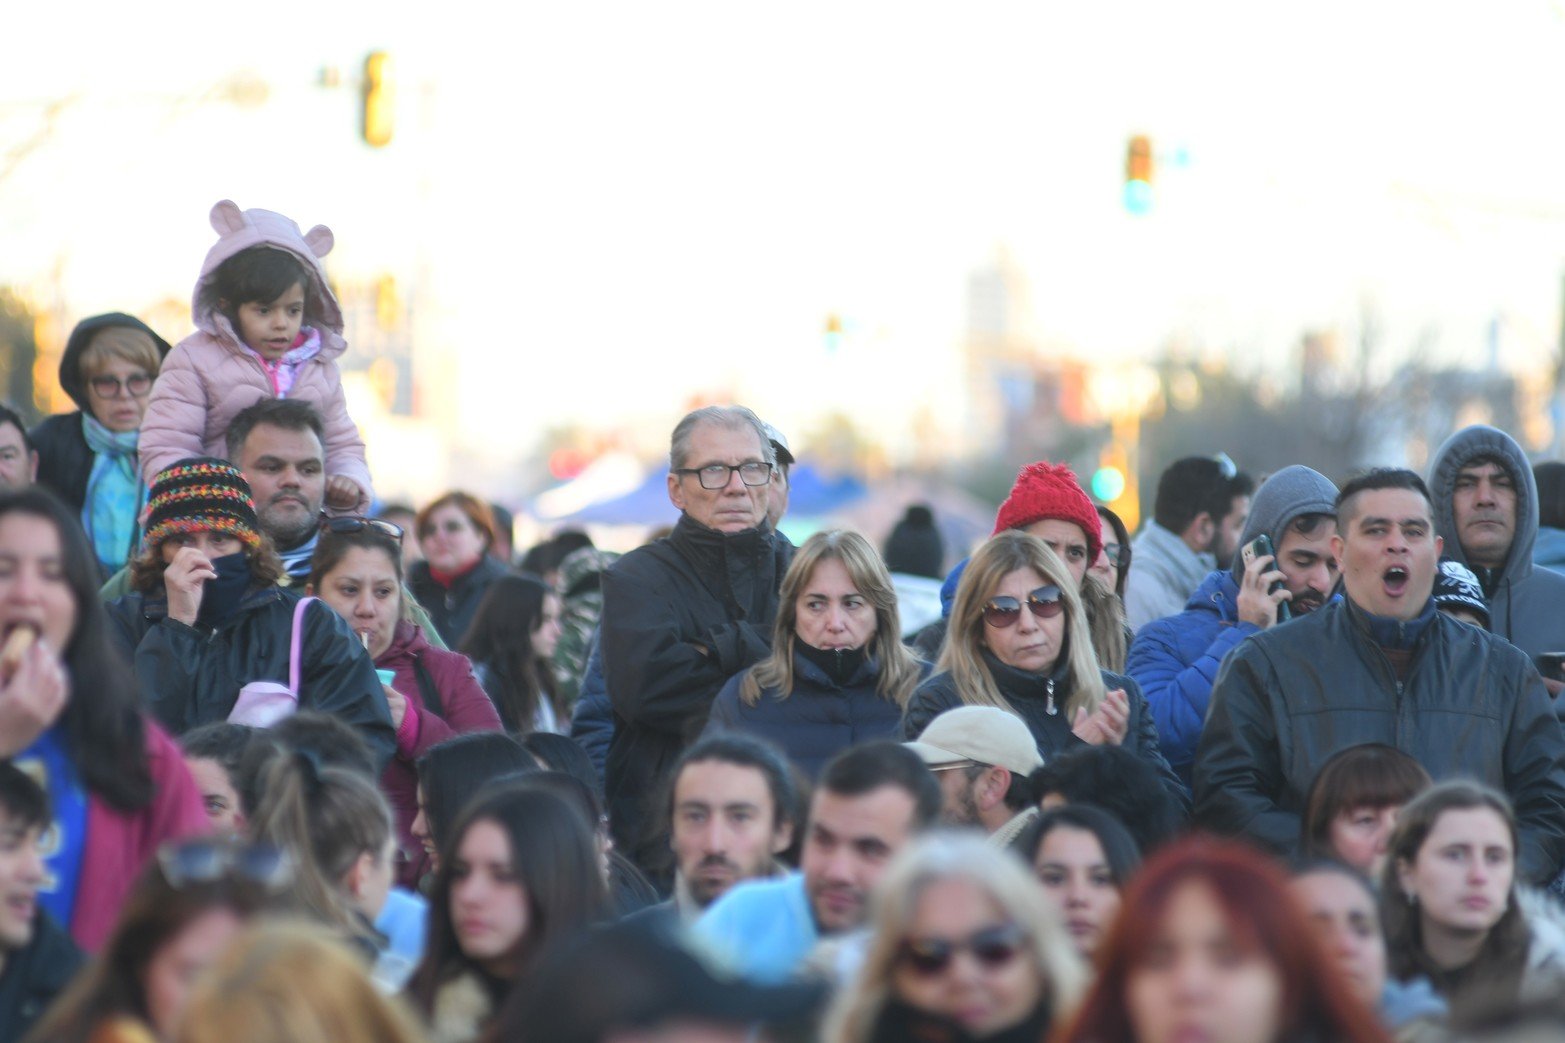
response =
{"points": [[1175, 659]]}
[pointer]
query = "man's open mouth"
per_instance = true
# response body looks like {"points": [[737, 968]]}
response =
{"points": [[1395, 580]]}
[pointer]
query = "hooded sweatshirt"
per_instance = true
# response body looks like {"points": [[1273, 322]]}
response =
{"points": [[1524, 601], [212, 375], [1175, 659]]}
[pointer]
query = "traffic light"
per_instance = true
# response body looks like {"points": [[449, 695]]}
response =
{"points": [[1138, 174], [379, 100]]}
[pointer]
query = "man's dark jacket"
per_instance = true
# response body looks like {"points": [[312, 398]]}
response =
{"points": [[1288, 698], [680, 617]]}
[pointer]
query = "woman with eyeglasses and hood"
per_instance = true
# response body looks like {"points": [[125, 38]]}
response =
{"points": [[90, 457], [1019, 640]]}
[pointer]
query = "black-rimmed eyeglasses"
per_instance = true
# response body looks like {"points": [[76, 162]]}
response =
{"points": [[717, 476]]}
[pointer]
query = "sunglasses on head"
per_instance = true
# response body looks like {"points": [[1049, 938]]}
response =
{"points": [[992, 947], [346, 526], [1003, 611], [207, 861]]}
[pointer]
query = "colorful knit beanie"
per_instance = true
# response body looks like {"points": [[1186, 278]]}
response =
{"points": [[1045, 490], [201, 494]]}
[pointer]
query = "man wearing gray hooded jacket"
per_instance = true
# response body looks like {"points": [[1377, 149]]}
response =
{"points": [[1486, 507], [1175, 659]]}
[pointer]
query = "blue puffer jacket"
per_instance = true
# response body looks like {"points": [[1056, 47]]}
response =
{"points": [[818, 720], [1175, 661], [592, 722]]}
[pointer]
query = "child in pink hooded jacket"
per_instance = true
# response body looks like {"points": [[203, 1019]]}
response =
{"points": [[267, 326]]}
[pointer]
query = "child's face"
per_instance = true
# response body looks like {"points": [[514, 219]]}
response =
{"points": [[270, 329]]}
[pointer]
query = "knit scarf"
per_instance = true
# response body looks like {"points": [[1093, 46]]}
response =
{"points": [[115, 494]]}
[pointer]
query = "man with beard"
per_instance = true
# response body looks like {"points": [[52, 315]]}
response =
{"points": [[1175, 659], [1201, 505], [732, 811], [1382, 665], [871, 800], [1486, 501], [982, 756]]}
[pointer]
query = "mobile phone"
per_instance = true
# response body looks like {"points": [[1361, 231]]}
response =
{"points": [[1261, 547], [1551, 665]]}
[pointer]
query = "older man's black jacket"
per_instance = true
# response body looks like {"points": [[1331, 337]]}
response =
{"points": [[680, 617], [1472, 706]]}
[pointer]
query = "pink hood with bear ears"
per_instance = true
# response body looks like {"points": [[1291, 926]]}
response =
{"points": [[238, 230]]}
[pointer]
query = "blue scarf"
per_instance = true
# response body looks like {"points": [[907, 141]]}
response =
{"points": [[115, 494]]}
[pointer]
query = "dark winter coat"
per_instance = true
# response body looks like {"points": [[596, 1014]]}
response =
{"points": [[35, 974], [1032, 695], [451, 610], [592, 721], [460, 707], [1288, 698], [192, 675], [818, 720], [680, 617], [64, 458]]}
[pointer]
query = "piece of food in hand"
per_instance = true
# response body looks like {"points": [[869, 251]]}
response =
{"points": [[17, 642]]}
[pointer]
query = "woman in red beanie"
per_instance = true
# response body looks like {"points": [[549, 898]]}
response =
{"points": [[1018, 640]]}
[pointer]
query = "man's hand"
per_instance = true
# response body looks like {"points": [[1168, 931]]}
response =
{"points": [[1256, 606], [342, 494], [183, 582], [32, 700], [1105, 726]]}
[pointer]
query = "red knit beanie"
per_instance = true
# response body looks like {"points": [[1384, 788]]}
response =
{"points": [[1045, 490]]}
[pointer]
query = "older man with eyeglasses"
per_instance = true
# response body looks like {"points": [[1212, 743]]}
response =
{"points": [[684, 614]]}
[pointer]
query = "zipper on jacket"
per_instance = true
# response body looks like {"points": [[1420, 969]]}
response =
{"points": [[1048, 705]]}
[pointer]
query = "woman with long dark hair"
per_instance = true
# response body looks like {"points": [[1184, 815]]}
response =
{"points": [[521, 877], [1210, 945], [1450, 903], [511, 643], [1084, 859], [433, 695], [1353, 803], [69, 714]]}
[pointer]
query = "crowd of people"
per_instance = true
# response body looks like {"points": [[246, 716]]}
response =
{"points": [[282, 762]]}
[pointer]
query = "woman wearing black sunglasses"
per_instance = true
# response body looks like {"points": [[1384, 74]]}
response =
{"points": [[963, 947], [1019, 640]]}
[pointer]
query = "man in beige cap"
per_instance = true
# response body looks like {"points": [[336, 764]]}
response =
{"points": [[982, 756]]}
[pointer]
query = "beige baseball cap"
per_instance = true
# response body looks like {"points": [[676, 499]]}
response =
{"points": [[982, 734]]}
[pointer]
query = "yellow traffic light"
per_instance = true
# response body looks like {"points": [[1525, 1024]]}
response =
{"points": [[1138, 174], [379, 100]]}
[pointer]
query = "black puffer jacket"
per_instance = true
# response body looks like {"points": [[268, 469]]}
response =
{"points": [[1032, 696], [680, 617], [1289, 697], [64, 459], [451, 610], [818, 720], [192, 675]]}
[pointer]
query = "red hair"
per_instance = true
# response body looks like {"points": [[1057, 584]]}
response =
{"points": [[1253, 893]]}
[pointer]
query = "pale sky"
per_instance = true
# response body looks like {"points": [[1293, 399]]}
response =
{"points": [[615, 206]]}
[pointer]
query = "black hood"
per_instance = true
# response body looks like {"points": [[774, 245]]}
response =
{"points": [[70, 362]]}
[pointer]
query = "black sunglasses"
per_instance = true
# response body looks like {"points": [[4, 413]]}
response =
{"points": [[345, 526], [1003, 611], [992, 947], [207, 861]]}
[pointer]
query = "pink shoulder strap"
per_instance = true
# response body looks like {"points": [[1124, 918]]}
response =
{"points": [[296, 645]]}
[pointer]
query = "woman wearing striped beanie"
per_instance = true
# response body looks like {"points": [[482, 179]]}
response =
{"points": [[207, 617]]}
